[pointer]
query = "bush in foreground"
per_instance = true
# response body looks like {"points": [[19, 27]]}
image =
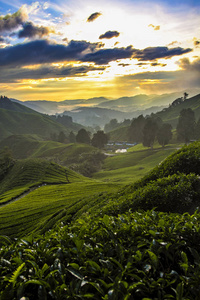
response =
{"points": [[147, 255]]}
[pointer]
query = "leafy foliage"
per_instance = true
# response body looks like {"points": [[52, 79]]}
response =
{"points": [[99, 139], [164, 134], [134, 256], [186, 125], [83, 136]]}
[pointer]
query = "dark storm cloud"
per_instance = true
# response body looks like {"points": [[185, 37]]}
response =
{"points": [[15, 74], [109, 35], [93, 16], [30, 30], [10, 22], [104, 56], [41, 51], [153, 53], [1, 39]]}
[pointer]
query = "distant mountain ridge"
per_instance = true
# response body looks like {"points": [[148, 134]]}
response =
{"points": [[126, 104]]}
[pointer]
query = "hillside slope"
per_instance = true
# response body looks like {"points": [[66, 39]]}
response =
{"points": [[171, 114], [110, 250]]}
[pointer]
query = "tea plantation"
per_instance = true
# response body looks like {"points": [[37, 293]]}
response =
{"points": [[139, 242]]}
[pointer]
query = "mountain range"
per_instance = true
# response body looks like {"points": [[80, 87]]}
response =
{"points": [[125, 104]]}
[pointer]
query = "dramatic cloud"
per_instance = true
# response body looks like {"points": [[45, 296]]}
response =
{"points": [[153, 53], [10, 22], [104, 56], [186, 65], [41, 51], [109, 35], [188, 77], [93, 16], [155, 27], [46, 72], [1, 39], [30, 30]]}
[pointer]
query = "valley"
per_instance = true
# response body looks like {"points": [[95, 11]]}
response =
{"points": [[100, 221]]}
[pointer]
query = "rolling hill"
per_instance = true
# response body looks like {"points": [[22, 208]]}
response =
{"points": [[137, 242], [18, 119], [171, 114]]}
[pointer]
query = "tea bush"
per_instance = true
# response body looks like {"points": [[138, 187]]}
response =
{"points": [[176, 193], [147, 255]]}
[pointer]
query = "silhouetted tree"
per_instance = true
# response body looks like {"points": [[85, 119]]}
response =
{"points": [[135, 132], [99, 139], [83, 136], [61, 137], [186, 125], [185, 95], [164, 134], [72, 137], [149, 133]]}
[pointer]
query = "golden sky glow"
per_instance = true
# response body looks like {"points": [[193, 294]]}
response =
{"points": [[53, 51]]}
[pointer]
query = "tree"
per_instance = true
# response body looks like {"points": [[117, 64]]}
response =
{"points": [[61, 137], [83, 136], [164, 134], [185, 95], [72, 137], [149, 133], [99, 139], [135, 132], [186, 125]]}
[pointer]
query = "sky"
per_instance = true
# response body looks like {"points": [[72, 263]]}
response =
{"points": [[80, 49]]}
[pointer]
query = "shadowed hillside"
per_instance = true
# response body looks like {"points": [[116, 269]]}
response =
{"points": [[18, 119]]}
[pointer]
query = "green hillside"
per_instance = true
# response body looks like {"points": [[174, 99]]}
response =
{"points": [[16, 118], [131, 166], [25, 146], [34, 192], [171, 114], [6, 103], [13, 122], [107, 245]]}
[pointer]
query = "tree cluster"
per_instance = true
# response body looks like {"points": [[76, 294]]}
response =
{"points": [[147, 130], [98, 140], [187, 128]]}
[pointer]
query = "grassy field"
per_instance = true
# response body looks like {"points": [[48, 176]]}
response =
{"points": [[133, 165]]}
